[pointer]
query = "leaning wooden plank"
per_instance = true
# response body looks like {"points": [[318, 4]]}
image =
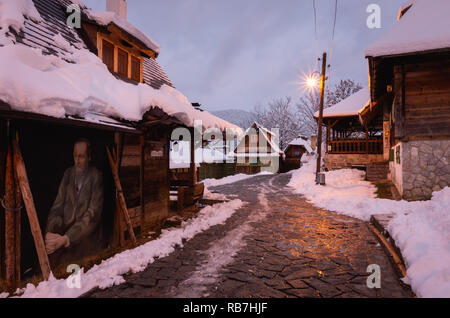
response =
{"points": [[22, 178], [121, 197]]}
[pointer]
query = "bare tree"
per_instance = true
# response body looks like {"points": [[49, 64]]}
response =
{"points": [[341, 91], [309, 104], [278, 114]]}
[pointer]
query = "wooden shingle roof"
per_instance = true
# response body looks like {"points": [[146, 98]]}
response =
{"points": [[54, 16]]}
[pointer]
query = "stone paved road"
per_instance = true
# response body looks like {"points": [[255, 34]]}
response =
{"points": [[277, 245]]}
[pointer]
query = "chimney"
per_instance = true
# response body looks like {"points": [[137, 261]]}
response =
{"points": [[119, 7]]}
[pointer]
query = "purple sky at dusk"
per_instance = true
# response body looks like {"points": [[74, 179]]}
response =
{"points": [[236, 54]]}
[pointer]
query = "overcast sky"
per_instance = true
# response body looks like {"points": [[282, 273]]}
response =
{"points": [[228, 54]]}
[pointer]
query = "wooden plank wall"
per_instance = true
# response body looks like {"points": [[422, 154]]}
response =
{"points": [[3, 150], [427, 99], [148, 187]]}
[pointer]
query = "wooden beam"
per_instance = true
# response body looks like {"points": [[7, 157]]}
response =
{"points": [[141, 183], [27, 197], [121, 197]]}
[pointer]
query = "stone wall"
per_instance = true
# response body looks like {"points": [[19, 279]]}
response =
{"points": [[426, 168], [338, 161]]}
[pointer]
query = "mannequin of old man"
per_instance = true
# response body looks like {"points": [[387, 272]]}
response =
{"points": [[74, 219]]}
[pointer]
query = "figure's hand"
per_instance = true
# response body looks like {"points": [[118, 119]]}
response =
{"points": [[54, 242]]}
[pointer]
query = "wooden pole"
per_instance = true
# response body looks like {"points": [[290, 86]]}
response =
{"points": [[18, 215], [27, 196], [121, 197], [193, 166], [322, 93]]}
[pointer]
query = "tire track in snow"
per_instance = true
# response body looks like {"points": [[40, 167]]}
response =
{"points": [[220, 254]]}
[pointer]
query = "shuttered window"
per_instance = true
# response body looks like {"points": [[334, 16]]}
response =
{"points": [[122, 62], [108, 55], [135, 69]]}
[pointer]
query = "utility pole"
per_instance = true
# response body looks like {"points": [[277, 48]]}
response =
{"points": [[319, 124]]}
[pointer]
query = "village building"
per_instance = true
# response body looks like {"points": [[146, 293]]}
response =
{"points": [[409, 77], [350, 143], [258, 151], [96, 91], [294, 152]]}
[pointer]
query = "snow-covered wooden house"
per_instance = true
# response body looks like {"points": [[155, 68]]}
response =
{"points": [[294, 152], [348, 142], [85, 112], [409, 73], [257, 151]]}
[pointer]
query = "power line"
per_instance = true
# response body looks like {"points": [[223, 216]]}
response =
{"points": [[332, 38], [315, 31]]}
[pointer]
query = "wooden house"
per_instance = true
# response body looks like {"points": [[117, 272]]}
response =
{"points": [[294, 152], [350, 143], [409, 74], [97, 88], [258, 151]]}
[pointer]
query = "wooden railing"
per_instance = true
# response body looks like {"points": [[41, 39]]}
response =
{"points": [[356, 146]]}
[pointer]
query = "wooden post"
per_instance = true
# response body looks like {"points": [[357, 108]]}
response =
{"points": [[367, 140], [27, 196], [121, 197], [193, 167]]}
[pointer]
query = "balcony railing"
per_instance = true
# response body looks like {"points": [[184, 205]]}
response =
{"points": [[356, 146]]}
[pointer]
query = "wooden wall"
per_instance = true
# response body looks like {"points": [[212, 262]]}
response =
{"points": [[3, 150], [144, 175], [422, 99]]}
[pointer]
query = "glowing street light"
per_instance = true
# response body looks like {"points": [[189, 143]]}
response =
{"points": [[312, 81]]}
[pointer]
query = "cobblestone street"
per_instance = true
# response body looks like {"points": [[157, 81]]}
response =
{"points": [[277, 245]]}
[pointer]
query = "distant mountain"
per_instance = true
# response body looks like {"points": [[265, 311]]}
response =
{"points": [[238, 117]]}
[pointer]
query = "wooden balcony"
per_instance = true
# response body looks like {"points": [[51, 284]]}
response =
{"points": [[355, 146]]}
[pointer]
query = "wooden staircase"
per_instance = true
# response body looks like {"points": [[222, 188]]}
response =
{"points": [[377, 171]]}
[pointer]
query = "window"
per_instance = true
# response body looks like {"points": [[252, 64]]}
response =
{"points": [[108, 55], [135, 69], [122, 62], [297, 153]]}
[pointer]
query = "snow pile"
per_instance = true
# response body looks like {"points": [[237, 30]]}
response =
{"points": [[231, 179], [420, 229], [349, 106], [424, 27], [110, 271], [105, 18], [12, 15]]}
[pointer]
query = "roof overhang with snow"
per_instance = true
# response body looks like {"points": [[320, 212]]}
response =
{"points": [[55, 75], [349, 107], [423, 27]]}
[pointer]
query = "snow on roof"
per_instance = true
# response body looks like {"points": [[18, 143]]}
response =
{"points": [[105, 18], [77, 82], [424, 27], [301, 142], [12, 15], [349, 106]]}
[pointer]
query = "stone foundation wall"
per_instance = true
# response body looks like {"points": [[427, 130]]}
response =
{"points": [[338, 161], [425, 168]]}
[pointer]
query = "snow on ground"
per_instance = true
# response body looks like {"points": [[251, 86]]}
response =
{"points": [[231, 179], [420, 229], [110, 271]]}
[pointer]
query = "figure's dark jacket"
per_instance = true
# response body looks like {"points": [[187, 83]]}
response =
{"points": [[78, 215]]}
